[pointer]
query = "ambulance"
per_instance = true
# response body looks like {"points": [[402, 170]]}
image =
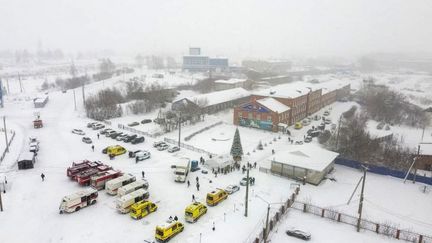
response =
{"points": [[194, 211], [141, 209], [168, 230]]}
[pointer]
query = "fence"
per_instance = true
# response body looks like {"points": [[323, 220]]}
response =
{"points": [[273, 220], [202, 130], [9, 143], [384, 170], [189, 147], [130, 129], [384, 229]]}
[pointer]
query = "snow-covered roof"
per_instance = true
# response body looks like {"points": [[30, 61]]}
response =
{"points": [[230, 81], [289, 90], [307, 156], [425, 148], [273, 105], [220, 96], [26, 155]]}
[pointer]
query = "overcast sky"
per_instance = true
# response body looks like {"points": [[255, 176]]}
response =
{"points": [[237, 28]]}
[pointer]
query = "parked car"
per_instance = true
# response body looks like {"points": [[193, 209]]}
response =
{"points": [[173, 149], [109, 133], [298, 125], [299, 142], [327, 121], [232, 188], [162, 147], [298, 234], [380, 125], [78, 131], [104, 131], [90, 124], [138, 140], [317, 117], [129, 138], [116, 134], [243, 181], [142, 155], [145, 121], [132, 124], [308, 139], [121, 137], [158, 143], [326, 113], [86, 140], [305, 122], [98, 126]]}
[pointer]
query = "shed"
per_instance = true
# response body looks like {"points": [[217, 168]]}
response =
{"points": [[309, 162], [26, 160]]}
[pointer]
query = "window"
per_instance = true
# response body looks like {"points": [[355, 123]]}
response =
{"points": [[250, 116], [258, 117], [240, 114]]}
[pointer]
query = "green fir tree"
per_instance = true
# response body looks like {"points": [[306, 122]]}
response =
{"points": [[236, 147]]}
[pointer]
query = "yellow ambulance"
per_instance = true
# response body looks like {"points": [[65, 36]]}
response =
{"points": [[168, 230], [215, 197], [194, 211], [142, 208]]}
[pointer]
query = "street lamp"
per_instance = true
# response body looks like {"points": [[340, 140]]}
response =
{"points": [[266, 231]]}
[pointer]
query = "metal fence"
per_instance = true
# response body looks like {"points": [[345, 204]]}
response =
{"points": [[386, 229], [274, 219], [384, 170], [202, 130], [130, 129], [9, 143], [189, 147]]}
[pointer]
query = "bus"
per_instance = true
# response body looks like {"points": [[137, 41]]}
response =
{"points": [[113, 185], [132, 187], [124, 203]]}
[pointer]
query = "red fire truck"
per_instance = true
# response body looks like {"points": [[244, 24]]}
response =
{"points": [[83, 177], [98, 181], [77, 167]]}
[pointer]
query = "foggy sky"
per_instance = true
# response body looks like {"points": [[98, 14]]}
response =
{"points": [[235, 28]]}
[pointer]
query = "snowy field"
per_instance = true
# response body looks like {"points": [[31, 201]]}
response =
{"points": [[31, 206]]}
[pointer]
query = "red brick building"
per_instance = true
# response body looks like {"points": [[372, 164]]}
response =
{"points": [[265, 113]]}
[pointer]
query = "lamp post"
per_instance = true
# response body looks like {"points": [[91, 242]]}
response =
{"points": [[266, 231]]}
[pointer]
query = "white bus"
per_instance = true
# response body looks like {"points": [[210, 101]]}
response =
{"points": [[78, 200], [132, 187], [113, 185], [124, 203], [181, 169]]}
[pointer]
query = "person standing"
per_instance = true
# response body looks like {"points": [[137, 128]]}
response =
{"points": [[197, 186], [213, 226], [188, 184], [93, 147], [193, 198], [142, 173], [98, 135], [43, 177]]}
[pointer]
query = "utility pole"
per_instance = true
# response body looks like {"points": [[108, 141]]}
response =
{"points": [[267, 226], [83, 92], [74, 98], [1, 203], [337, 135], [180, 120], [5, 131], [19, 80], [360, 210], [247, 193], [7, 85]]}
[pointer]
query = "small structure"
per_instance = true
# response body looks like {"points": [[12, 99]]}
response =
{"points": [[37, 123], [309, 163], [40, 102], [424, 158], [26, 160], [230, 83]]}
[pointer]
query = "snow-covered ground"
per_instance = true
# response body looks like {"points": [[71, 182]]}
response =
{"points": [[31, 206]]}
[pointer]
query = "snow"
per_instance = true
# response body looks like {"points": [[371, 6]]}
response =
{"points": [[426, 148], [273, 105], [33, 204], [220, 96], [230, 81], [308, 156]]}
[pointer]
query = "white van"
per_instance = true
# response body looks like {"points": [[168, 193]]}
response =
{"points": [[113, 185], [124, 203], [132, 187]]}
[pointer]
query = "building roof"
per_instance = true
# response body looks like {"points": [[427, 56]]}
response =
{"points": [[307, 156], [220, 96], [273, 105], [289, 90], [425, 148], [230, 81]]}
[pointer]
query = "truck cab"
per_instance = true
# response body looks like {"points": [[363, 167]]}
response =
{"points": [[194, 211], [168, 230], [215, 197], [141, 209]]}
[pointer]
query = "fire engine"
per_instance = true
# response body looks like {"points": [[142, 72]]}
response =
{"points": [[76, 201], [83, 177], [81, 166], [98, 181]]}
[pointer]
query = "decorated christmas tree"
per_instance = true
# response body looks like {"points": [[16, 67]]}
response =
{"points": [[236, 148]]}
